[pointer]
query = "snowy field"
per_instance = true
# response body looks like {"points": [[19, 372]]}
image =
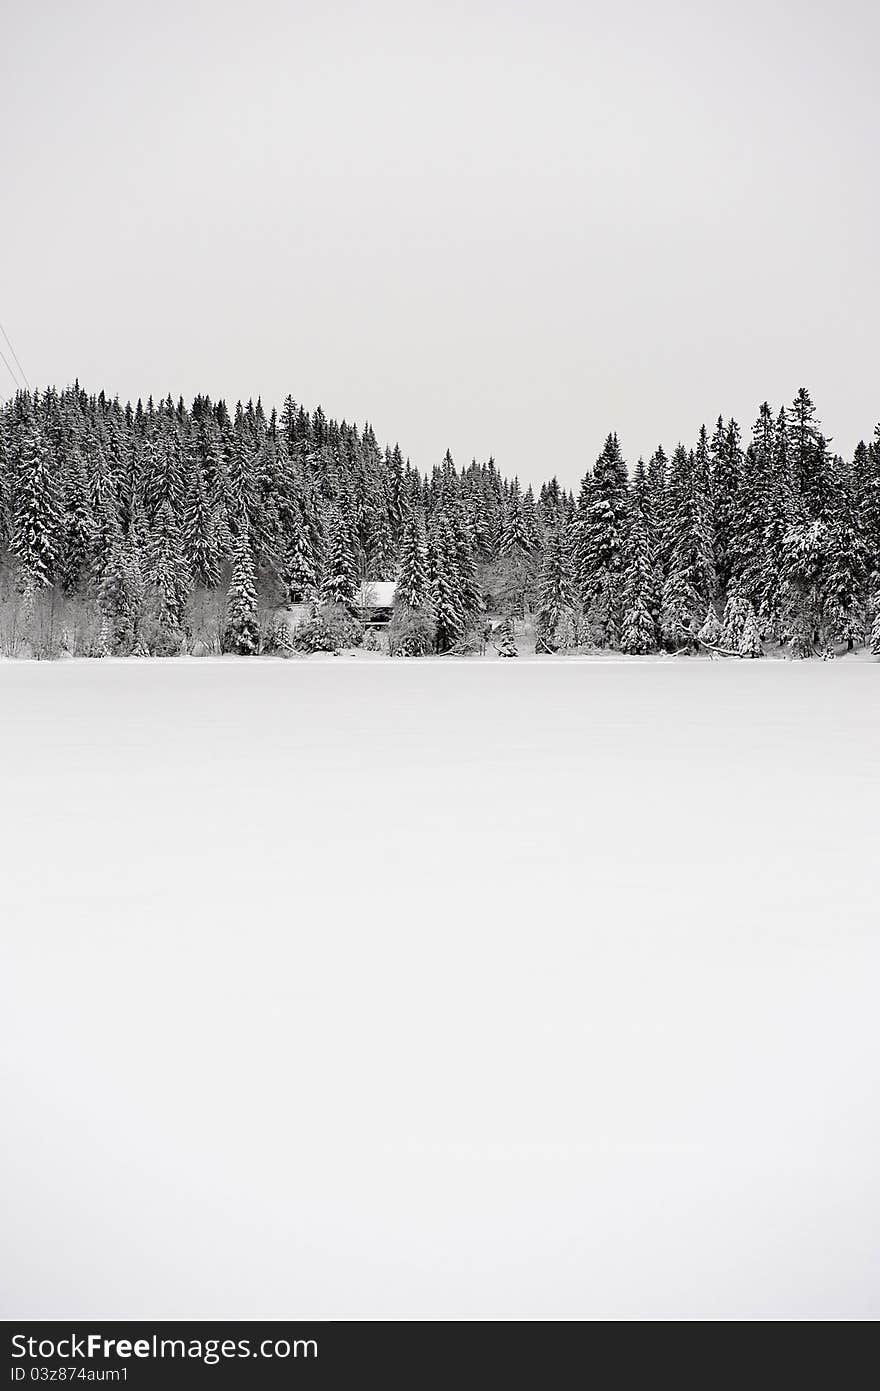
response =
{"points": [[451, 989]]}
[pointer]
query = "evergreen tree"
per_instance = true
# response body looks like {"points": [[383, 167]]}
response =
{"points": [[750, 640], [641, 581], [298, 569], [506, 644], [339, 583], [602, 542], [736, 611], [412, 582], [770, 509], [243, 629], [37, 519], [655, 506], [118, 602], [866, 471], [77, 524], [710, 634], [163, 477], [555, 587], [690, 582], [208, 454], [726, 466], [106, 534], [466, 568], [845, 586], [167, 577], [804, 572], [199, 543], [517, 536], [809, 457], [241, 484], [445, 589]]}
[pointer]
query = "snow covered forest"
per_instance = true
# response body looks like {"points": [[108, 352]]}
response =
{"points": [[159, 530]]}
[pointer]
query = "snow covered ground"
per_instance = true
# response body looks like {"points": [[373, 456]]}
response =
{"points": [[367, 988]]}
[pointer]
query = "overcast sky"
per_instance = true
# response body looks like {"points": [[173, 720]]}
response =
{"points": [[503, 228]]}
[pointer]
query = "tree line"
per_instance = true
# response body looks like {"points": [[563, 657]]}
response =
{"points": [[161, 528]]}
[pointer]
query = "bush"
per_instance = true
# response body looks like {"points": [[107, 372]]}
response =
{"points": [[410, 633], [86, 630], [329, 629], [161, 639], [276, 635], [42, 617], [313, 636], [711, 632], [347, 630], [205, 621], [470, 644]]}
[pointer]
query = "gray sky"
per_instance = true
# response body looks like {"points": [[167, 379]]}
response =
{"points": [[501, 227]]}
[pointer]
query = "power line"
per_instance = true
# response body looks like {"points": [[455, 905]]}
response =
{"points": [[15, 357], [10, 371]]}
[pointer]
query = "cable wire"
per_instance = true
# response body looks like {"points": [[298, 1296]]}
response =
{"points": [[15, 357], [10, 371]]}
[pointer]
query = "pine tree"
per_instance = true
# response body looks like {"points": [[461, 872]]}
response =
{"points": [[555, 587], [468, 587], [163, 477], [641, 580], [602, 542], [339, 583], [691, 581], [112, 602], [726, 465], [733, 623], [241, 484], [243, 629], [867, 486], [167, 577], [106, 534], [298, 568], [199, 543], [412, 582], [516, 534], [208, 453], [37, 519], [845, 585], [806, 454], [710, 634], [769, 511], [749, 518], [750, 639], [77, 525], [530, 520], [445, 589], [804, 571], [506, 644], [656, 504]]}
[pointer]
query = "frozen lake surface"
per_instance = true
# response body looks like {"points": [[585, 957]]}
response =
{"points": [[454, 989]]}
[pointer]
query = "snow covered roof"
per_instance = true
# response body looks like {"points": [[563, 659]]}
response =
{"points": [[377, 594]]}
